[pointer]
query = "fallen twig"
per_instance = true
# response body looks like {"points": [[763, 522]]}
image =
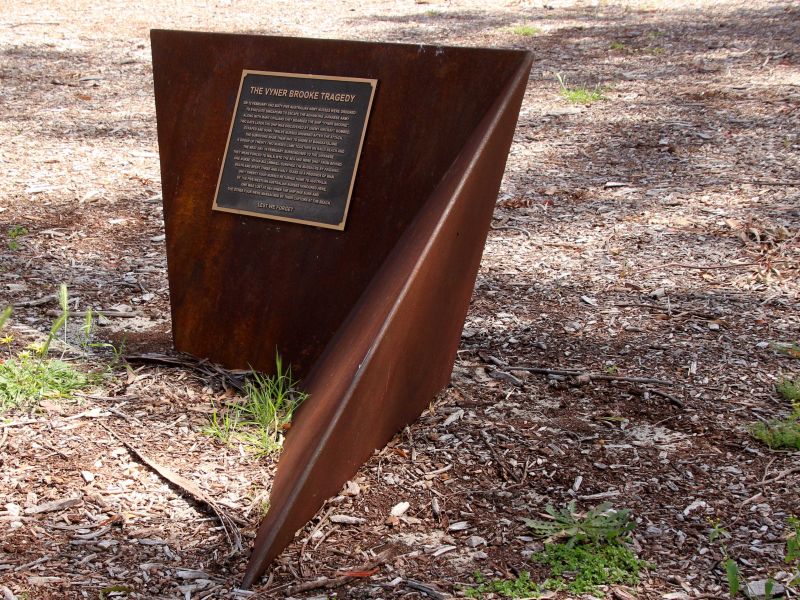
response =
{"points": [[235, 378], [707, 267], [20, 423], [27, 23], [505, 472], [605, 377], [667, 309], [37, 302], [512, 228], [229, 524], [782, 475], [676, 401], [333, 582], [584, 377], [54, 505], [123, 314], [428, 590], [547, 371], [764, 182]]}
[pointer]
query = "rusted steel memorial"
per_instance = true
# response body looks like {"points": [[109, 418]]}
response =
{"points": [[329, 199]]}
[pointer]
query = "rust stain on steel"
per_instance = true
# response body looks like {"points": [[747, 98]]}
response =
{"points": [[370, 317]]}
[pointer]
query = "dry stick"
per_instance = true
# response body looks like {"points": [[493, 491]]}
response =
{"points": [[709, 267], [103, 313], [762, 182], [603, 377], [547, 371], [235, 378], [591, 376], [512, 228], [504, 470], [20, 423], [229, 524], [37, 302], [766, 470], [426, 589], [672, 399], [334, 582], [26, 23], [707, 316], [782, 475]]}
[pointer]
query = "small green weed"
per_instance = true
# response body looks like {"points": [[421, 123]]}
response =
{"points": [[782, 434], [778, 434], [32, 377], [791, 349], [732, 574], [15, 232], [593, 552], [29, 379], [526, 30], [582, 568], [222, 425], [260, 422], [792, 556], [617, 45], [115, 589], [731, 566], [263, 508], [521, 587], [5, 315], [793, 542], [790, 390], [579, 94], [602, 524], [60, 322]]}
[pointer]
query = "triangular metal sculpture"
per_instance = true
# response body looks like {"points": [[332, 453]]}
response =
{"points": [[370, 316]]}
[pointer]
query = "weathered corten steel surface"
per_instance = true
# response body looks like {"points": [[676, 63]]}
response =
{"points": [[371, 316], [242, 287]]}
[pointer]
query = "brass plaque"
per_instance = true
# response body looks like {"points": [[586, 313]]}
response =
{"points": [[293, 147]]}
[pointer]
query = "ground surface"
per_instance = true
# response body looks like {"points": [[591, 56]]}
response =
{"points": [[653, 234]]}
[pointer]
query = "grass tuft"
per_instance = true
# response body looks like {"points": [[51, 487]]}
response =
{"points": [[15, 232], [27, 380], [580, 94], [261, 421], [782, 434], [32, 377], [778, 434], [526, 30]]}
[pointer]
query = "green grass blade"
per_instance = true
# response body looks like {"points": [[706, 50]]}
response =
{"points": [[732, 572], [63, 297], [57, 325], [5, 315]]}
